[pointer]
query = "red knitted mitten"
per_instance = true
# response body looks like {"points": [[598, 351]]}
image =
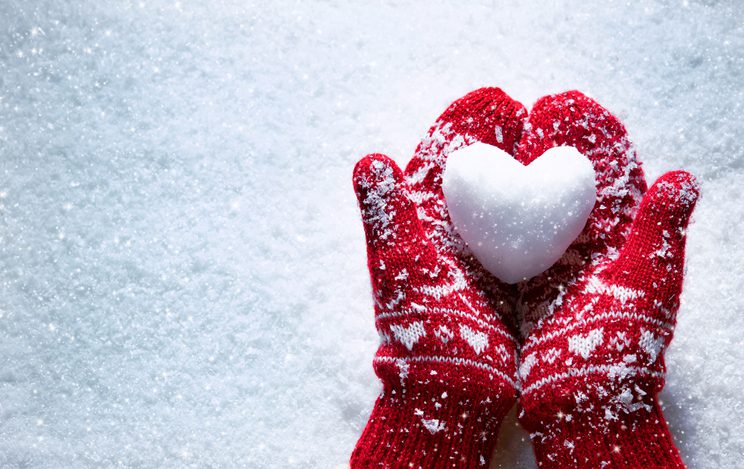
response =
{"points": [[447, 358], [596, 324]]}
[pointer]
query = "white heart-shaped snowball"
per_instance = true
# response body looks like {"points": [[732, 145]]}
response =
{"points": [[518, 220]]}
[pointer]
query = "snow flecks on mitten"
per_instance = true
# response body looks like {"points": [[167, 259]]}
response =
{"points": [[573, 119], [469, 120], [595, 333], [447, 359]]}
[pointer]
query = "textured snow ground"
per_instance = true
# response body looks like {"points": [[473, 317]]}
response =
{"points": [[182, 265]]}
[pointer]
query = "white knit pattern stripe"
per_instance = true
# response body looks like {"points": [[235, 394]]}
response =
{"points": [[481, 322], [600, 318], [610, 370], [449, 360]]}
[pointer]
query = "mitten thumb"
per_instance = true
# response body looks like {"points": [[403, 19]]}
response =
{"points": [[395, 238], [652, 259]]}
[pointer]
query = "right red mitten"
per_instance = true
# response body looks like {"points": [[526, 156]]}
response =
{"points": [[597, 324]]}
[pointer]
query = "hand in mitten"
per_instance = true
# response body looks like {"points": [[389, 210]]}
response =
{"points": [[597, 323], [447, 358]]}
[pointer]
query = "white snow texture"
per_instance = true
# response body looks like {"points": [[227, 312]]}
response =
{"points": [[518, 220], [183, 280]]}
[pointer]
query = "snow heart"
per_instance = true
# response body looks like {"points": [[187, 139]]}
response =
{"points": [[518, 220]]}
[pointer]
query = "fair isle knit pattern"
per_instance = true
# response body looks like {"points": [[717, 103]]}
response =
{"points": [[595, 325], [447, 355]]}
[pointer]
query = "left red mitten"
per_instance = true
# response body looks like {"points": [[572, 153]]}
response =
{"points": [[447, 358]]}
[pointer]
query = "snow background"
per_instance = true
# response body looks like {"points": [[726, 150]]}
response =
{"points": [[182, 265]]}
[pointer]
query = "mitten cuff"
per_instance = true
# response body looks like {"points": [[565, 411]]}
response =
{"points": [[430, 428], [638, 439]]}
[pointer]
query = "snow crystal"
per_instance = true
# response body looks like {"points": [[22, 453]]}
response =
{"points": [[433, 425], [651, 344], [499, 134]]}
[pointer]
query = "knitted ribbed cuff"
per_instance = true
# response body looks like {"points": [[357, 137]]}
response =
{"points": [[640, 439], [430, 429]]}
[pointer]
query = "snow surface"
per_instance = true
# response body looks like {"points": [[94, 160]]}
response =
{"points": [[518, 220], [182, 263]]}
